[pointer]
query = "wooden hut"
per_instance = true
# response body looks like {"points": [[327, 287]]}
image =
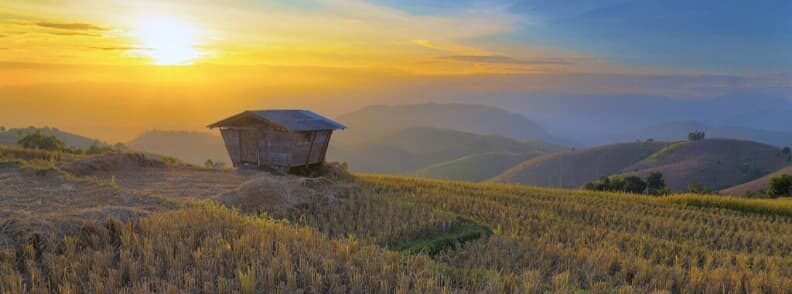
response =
{"points": [[277, 139]]}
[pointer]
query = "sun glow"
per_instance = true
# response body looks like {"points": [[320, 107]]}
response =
{"points": [[167, 41]]}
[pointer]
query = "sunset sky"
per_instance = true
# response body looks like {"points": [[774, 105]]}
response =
{"points": [[136, 65]]}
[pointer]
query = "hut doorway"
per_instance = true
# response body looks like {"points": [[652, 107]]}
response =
{"points": [[248, 146]]}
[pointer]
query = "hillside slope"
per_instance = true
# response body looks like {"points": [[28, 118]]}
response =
{"points": [[10, 136], [175, 234], [714, 163], [192, 147], [574, 168], [371, 122], [414, 148], [475, 167], [755, 186], [675, 131]]}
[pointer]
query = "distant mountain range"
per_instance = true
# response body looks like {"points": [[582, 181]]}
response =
{"points": [[585, 119], [478, 143], [481, 143], [374, 121]]}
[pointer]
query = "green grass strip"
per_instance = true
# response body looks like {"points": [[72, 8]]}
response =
{"points": [[464, 230], [781, 207]]}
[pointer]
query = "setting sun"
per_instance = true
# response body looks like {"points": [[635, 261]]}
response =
{"points": [[167, 41]]}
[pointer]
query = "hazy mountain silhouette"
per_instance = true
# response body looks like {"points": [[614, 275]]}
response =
{"points": [[585, 119], [192, 147], [411, 149], [373, 121]]}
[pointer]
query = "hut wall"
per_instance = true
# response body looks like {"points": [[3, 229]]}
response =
{"points": [[301, 147], [275, 147], [248, 146], [231, 140]]}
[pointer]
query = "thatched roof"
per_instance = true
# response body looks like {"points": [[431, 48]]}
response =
{"points": [[292, 120]]}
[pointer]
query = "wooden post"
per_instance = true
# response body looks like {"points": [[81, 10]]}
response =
{"points": [[310, 149], [327, 143], [239, 140]]}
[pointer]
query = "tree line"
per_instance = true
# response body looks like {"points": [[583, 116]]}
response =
{"points": [[654, 184], [40, 141]]}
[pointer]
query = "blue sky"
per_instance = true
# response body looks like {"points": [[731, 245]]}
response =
{"points": [[727, 36]]}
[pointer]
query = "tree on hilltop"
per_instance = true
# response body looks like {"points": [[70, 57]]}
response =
{"points": [[696, 135]]}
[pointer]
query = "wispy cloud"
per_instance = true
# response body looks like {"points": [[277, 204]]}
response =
{"points": [[119, 48], [75, 26], [499, 59], [60, 33]]}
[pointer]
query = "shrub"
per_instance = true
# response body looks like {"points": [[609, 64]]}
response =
{"points": [[38, 140], [780, 186], [97, 148], [655, 184], [170, 160], [634, 184], [630, 184], [698, 188]]}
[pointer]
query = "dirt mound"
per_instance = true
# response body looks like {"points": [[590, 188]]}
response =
{"points": [[278, 195], [333, 171], [110, 162]]}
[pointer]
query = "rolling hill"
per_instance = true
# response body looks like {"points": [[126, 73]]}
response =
{"points": [[675, 131], [572, 169], [756, 186], [8, 139], [475, 167], [10, 136], [371, 122], [714, 163], [156, 225], [411, 149], [192, 147]]}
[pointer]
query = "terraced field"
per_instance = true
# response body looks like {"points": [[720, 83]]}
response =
{"points": [[564, 238], [371, 233]]}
